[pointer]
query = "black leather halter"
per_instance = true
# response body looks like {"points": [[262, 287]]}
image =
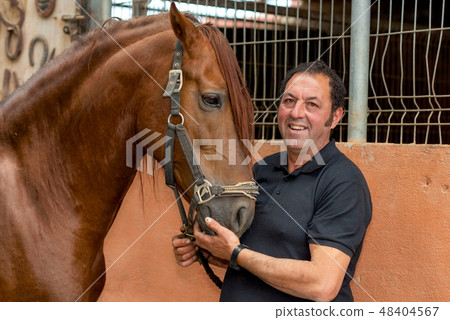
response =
{"points": [[204, 191]]}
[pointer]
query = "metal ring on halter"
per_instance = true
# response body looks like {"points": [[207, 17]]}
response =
{"points": [[170, 116]]}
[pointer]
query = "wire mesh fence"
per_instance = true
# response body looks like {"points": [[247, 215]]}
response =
{"points": [[409, 83]]}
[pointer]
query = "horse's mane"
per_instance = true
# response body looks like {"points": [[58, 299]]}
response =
{"points": [[240, 100]]}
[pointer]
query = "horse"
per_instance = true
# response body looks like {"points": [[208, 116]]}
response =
{"points": [[63, 150]]}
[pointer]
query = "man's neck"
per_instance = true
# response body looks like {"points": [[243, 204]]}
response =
{"points": [[297, 159]]}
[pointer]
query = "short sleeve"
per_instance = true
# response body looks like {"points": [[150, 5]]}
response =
{"points": [[343, 209]]}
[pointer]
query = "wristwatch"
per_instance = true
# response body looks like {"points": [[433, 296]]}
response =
{"points": [[233, 260]]}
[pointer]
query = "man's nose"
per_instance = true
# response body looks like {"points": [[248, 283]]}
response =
{"points": [[298, 111]]}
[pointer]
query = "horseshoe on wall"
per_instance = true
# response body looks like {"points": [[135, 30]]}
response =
{"points": [[45, 7], [13, 54], [31, 50]]}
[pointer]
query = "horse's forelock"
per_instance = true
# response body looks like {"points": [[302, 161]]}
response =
{"points": [[240, 100]]}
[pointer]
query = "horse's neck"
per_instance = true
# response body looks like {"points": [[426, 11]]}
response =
{"points": [[68, 127], [70, 148]]}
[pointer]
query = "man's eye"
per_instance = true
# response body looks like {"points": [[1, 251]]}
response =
{"points": [[211, 100]]}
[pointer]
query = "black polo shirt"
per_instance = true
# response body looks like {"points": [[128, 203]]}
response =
{"points": [[323, 202]]}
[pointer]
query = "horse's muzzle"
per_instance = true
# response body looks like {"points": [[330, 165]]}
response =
{"points": [[234, 213]]}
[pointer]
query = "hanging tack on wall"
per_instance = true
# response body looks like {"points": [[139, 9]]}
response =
{"points": [[45, 7], [14, 35]]}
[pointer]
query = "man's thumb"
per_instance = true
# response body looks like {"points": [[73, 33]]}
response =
{"points": [[212, 224]]}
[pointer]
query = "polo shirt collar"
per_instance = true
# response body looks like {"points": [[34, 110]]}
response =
{"points": [[326, 154]]}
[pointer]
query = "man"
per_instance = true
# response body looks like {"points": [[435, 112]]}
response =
{"points": [[311, 214]]}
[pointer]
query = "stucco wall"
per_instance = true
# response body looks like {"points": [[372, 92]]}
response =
{"points": [[405, 255]]}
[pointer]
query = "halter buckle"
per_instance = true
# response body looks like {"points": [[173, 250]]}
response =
{"points": [[177, 75], [203, 192]]}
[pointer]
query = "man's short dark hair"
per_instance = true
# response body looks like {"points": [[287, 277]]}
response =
{"points": [[337, 89]]}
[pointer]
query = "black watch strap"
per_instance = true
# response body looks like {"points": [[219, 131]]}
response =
{"points": [[233, 260]]}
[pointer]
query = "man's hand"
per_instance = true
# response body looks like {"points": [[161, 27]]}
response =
{"points": [[184, 250], [186, 253], [221, 245]]}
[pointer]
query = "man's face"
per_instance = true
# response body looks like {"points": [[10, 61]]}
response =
{"points": [[305, 110]]}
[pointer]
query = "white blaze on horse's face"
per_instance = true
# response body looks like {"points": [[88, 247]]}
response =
{"points": [[208, 113]]}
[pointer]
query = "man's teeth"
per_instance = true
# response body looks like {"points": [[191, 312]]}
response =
{"points": [[293, 127]]}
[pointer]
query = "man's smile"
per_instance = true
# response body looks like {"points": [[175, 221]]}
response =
{"points": [[297, 127]]}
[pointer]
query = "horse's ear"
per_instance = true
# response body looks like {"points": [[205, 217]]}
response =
{"points": [[184, 29]]}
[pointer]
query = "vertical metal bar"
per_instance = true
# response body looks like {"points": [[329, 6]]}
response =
{"points": [[344, 57], [308, 32], [428, 72], [235, 28], [286, 47], [434, 72], [275, 52], [343, 41], [414, 72], [359, 67], [264, 64], [244, 44], [225, 19], [100, 10], [139, 8], [255, 68], [383, 76], [319, 53], [401, 72], [297, 42], [330, 46], [371, 74]]}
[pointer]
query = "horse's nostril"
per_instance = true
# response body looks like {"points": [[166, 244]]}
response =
{"points": [[240, 217]]}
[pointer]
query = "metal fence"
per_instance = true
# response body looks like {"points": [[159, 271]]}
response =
{"points": [[409, 82]]}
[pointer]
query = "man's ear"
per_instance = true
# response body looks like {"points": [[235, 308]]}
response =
{"points": [[184, 29], [337, 117]]}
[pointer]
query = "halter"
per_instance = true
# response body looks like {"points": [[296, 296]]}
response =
{"points": [[204, 191]]}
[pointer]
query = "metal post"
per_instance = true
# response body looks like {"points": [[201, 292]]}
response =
{"points": [[100, 10], [140, 8], [359, 71]]}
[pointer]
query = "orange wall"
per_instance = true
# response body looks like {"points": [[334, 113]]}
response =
{"points": [[405, 255]]}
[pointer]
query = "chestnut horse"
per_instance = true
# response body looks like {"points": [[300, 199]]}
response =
{"points": [[63, 140]]}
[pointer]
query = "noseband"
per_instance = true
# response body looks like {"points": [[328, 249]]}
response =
{"points": [[204, 191]]}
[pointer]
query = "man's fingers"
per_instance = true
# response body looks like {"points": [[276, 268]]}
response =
{"points": [[183, 254], [183, 250], [187, 263], [212, 224], [180, 241]]}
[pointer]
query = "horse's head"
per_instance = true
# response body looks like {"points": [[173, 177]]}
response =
{"points": [[217, 115]]}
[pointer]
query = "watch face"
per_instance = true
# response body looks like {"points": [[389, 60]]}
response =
{"points": [[45, 7]]}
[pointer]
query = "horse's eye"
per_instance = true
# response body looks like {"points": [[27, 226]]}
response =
{"points": [[212, 100]]}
